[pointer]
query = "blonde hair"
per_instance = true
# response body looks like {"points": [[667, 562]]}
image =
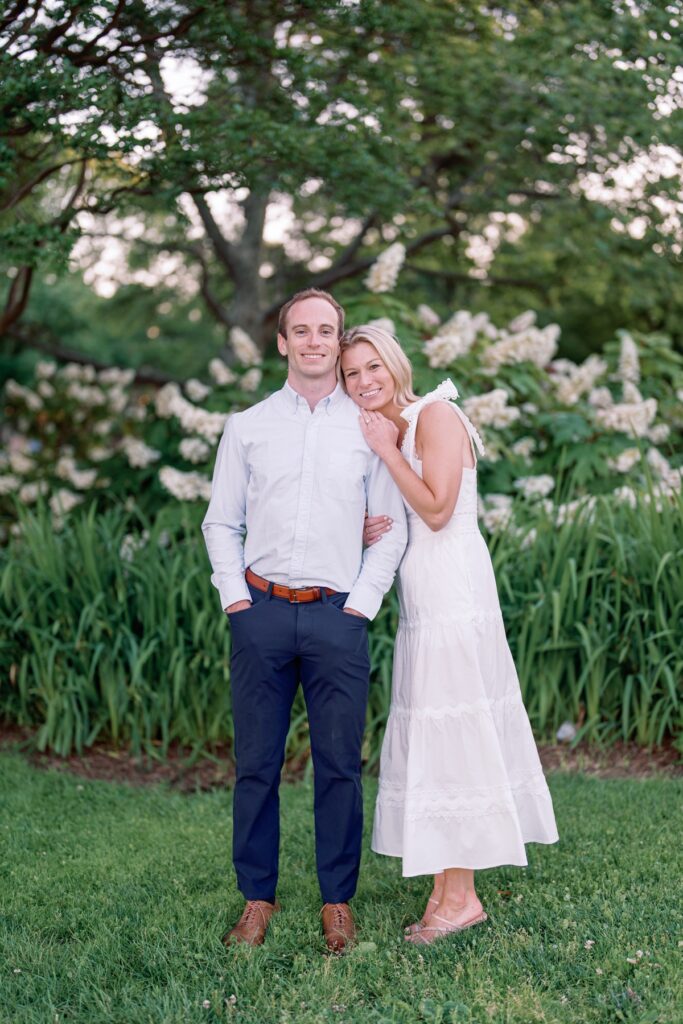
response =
{"points": [[391, 354]]}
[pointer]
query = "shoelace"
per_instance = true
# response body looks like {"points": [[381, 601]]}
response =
{"points": [[250, 912], [338, 916]]}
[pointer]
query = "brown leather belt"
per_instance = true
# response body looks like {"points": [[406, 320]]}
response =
{"points": [[300, 595]]}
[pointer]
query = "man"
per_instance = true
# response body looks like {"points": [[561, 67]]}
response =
{"points": [[295, 473]]}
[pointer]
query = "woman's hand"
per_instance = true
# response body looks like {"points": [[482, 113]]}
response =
{"points": [[379, 432], [374, 529]]}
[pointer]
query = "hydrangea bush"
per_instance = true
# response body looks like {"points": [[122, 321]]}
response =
{"points": [[556, 433]]}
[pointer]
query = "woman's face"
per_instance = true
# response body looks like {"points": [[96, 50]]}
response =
{"points": [[367, 379]]}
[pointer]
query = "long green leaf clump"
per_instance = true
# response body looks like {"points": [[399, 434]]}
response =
{"points": [[100, 641]]}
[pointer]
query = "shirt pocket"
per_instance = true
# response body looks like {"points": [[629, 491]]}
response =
{"points": [[343, 477]]}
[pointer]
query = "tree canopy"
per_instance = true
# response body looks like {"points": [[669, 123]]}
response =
{"points": [[186, 127]]}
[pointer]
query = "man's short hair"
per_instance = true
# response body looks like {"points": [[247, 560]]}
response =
{"points": [[308, 293]]}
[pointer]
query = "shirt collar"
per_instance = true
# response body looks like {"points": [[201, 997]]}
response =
{"points": [[293, 400]]}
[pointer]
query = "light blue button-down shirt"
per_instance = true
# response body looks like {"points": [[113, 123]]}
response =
{"points": [[297, 482]]}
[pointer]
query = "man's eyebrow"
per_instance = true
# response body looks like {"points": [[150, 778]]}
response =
{"points": [[294, 326]]}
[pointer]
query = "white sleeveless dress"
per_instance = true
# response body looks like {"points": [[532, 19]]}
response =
{"points": [[461, 783]]}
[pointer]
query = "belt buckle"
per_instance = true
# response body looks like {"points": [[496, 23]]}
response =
{"points": [[293, 596]]}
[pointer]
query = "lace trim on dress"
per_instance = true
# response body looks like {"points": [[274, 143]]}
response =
{"points": [[478, 707], [431, 804], [477, 616], [446, 391], [521, 781], [451, 813]]}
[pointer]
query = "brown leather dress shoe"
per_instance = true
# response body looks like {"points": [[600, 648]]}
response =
{"points": [[252, 925], [339, 927]]}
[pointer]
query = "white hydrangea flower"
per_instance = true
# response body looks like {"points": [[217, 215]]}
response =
{"points": [[496, 519], [384, 324], [679, 395], [495, 512], [629, 363], [529, 408], [103, 428], [138, 454], [659, 433], [386, 268], [630, 393], [625, 496], [31, 492], [45, 389], [117, 376], [427, 317], [246, 351], [668, 475], [251, 380], [457, 337], [45, 369], [194, 450], [195, 390], [522, 322], [74, 371], [532, 345], [62, 501], [9, 483], [117, 399], [81, 479], [20, 463], [576, 509], [600, 398], [185, 486], [535, 486], [22, 394], [625, 460], [88, 395], [131, 544], [634, 419], [574, 381], [221, 373], [444, 349], [525, 447], [529, 538], [194, 420], [490, 409], [99, 453]]}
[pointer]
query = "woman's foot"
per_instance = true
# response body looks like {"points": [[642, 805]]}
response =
{"points": [[440, 927], [458, 913], [448, 916], [432, 905]]}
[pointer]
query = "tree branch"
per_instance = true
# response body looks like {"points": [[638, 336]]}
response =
{"points": [[17, 297], [63, 354], [453, 275], [29, 186]]}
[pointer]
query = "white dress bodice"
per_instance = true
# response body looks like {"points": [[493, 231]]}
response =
{"points": [[464, 518]]}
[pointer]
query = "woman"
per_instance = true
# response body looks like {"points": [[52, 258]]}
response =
{"points": [[461, 785]]}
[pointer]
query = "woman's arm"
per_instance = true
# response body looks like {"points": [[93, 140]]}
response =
{"points": [[445, 447]]}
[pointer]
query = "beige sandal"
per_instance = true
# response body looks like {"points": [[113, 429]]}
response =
{"points": [[428, 933], [412, 928]]}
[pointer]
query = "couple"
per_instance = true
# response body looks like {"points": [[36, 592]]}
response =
{"points": [[461, 787]]}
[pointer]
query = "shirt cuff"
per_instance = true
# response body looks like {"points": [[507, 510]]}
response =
{"points": [[232, 591], [365, 599]]}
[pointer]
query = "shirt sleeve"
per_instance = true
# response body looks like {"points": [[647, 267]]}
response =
{"points": [[224, 525], [380, 560]]}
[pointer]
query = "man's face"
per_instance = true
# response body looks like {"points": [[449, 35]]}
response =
{"points": [[312, 342]]}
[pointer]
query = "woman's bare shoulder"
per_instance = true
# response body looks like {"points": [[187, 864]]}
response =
{"points": [[438, 417]]}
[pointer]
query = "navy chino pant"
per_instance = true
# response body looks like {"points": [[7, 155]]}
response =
{"points": [[275, 646]]}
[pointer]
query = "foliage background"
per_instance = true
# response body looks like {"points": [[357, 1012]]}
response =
{"points": [[170, 172]]}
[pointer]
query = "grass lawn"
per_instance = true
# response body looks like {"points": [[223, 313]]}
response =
{"points": [[113, 899]]}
